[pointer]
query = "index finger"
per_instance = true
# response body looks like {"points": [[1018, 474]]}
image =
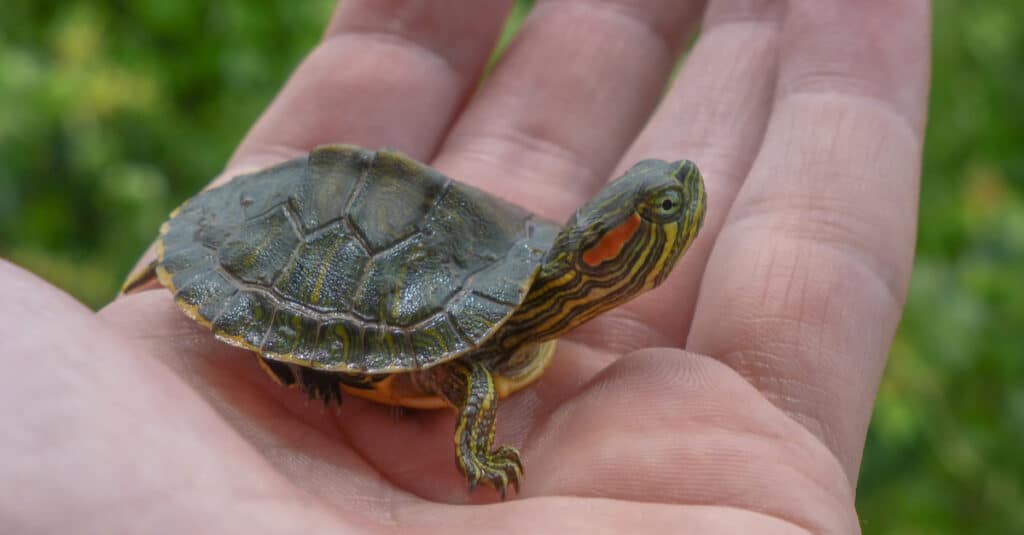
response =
{"points": [[386, 74]]}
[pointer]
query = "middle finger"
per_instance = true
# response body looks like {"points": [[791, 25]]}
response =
{"points": [[568, 97]]}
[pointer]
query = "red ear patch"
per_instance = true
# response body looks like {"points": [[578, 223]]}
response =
{"points": [[610, 245]]}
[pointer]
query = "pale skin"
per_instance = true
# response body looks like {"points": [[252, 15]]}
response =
{"points": [[735, 398]]}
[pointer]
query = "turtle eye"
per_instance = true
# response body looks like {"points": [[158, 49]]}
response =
{"points": [[664, 205]]}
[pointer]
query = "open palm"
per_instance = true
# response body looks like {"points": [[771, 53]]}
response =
{"points": [[735, 398]]}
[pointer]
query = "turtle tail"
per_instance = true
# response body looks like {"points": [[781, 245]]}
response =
{"points": [[141, 280]]}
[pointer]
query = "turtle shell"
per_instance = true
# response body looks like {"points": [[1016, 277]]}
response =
{"points": [[351, 260]]}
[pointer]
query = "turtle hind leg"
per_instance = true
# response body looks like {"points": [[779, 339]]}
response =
{"points": [[469, 387], [324, 386]]}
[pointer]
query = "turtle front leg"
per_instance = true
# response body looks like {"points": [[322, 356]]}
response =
{"points": [[469, 387]]}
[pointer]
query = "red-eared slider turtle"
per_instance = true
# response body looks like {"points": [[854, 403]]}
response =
{"points": [[375, 274]]}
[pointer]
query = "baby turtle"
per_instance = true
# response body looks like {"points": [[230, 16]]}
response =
{"points": [[374, 274]]}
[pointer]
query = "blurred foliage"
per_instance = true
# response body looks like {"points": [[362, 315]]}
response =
{"points": [[112, 112]]}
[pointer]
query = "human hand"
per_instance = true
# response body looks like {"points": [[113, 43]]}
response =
{"points": [[806, 119]]}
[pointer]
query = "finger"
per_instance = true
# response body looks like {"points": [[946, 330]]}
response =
{"points": [[714, 114], [97, 427], [806, 283], [386, 74], [568, 96]]}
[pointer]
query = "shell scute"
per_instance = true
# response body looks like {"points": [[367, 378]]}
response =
{"points": [[333, 173], [386, 348], [438, 337], [407, 284], [260, 192], [325, 272], [288, 332], [244, 319], [260, 249], [204, 290], [477, 317], [399, 193], [340, 346]]}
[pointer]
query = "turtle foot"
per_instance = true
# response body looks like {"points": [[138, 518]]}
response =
{"points": [[499, 469]]}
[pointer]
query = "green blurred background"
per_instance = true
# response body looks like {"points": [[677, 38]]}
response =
{"points": [[113, 112]]}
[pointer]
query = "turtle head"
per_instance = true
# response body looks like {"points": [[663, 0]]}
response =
{"points": [[636, 228], [623, 242]]}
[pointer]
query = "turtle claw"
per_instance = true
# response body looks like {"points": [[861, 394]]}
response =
{"points": [[512, 465], [499, 470]]}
